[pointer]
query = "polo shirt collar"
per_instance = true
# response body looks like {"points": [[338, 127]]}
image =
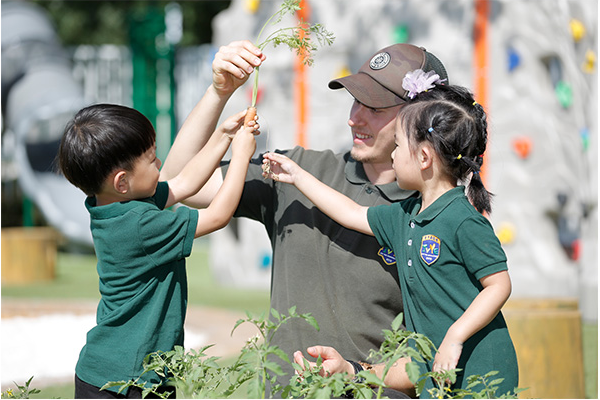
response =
{"points": [[355, 173], [438, 206]]}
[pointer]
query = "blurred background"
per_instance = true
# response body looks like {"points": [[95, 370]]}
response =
{"points": [[531, 64]]}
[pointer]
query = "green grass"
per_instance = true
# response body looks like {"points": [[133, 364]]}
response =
{"points": [[76, 279]]}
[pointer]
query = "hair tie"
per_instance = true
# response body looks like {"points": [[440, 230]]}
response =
{"points": [[430, 130], [459, 157], [474, 103]]}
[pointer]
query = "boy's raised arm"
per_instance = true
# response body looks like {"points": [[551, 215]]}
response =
{"points": [[337, 206], [232, 66], [220, 211], [200, 168]]}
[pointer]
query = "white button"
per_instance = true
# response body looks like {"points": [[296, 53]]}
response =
{"points": [[410, 263], [412, 224], [410, 242]]}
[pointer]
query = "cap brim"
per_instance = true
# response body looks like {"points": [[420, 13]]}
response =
{"points": [[367, 91]]}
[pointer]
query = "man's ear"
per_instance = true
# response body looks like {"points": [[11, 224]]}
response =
{"points": [[120, 182]]}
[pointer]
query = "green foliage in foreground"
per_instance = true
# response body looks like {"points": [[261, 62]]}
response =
{"points": [[195, 375]]}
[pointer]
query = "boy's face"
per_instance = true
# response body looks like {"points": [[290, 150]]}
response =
{"points": [[144, 177]]}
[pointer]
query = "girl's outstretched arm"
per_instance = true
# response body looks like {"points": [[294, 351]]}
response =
{"points": [[337, 206], [483, 309]]}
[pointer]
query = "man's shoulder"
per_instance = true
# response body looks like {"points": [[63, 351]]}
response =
{"points": [[310, 157]]}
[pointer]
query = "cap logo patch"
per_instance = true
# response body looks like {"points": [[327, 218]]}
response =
{"points": [[430, 249], [380, 61]]}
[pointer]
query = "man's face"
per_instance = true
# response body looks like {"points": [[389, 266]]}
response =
{"points": [[372, 133]]}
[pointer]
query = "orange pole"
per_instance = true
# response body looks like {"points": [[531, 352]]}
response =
{"points": [[480, 62], [300, 84]]}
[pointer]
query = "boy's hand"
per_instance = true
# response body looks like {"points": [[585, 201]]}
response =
{"points": [[233, 64], [279, 168], [244, 143], [232, 124]]}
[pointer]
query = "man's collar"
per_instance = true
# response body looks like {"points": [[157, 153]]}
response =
{"points": [[355, 173]]}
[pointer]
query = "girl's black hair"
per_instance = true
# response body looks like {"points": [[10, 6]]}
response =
{"points": [[449, 118], [102, 138]]}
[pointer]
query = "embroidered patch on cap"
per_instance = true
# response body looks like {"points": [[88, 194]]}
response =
{"points": [[387, 255], [430, 249], [380, 61]]}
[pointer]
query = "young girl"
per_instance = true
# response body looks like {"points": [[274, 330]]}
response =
{"points": [[453, 271]]}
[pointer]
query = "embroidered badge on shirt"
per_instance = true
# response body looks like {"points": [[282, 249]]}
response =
{"points": [[387, 255], [430, 249]]}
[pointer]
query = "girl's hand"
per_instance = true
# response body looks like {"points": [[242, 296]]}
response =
{"points": [[233, 64], [447, 355], [279, 168], [333, 362]]}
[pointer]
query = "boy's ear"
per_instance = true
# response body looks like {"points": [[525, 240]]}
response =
{"points": [[120, 183]]}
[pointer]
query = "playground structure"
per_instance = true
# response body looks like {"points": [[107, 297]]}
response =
{"points": [[529, 64]]}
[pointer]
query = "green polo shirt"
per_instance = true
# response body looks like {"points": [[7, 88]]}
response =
{"points": [[338, 275], [442, 253], [141, 252]]}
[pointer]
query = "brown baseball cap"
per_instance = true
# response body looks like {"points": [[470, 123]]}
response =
{"points": [[378, 83]]}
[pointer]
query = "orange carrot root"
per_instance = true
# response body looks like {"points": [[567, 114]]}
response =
{"points": [[250, 114]]}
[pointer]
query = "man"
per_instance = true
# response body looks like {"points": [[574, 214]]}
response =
{"points": [[343, 278]]}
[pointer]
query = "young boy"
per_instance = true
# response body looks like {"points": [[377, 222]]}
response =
{"points": [[109, 152]]}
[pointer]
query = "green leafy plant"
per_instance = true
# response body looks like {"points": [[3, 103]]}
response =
{"points": [[297, 38], [24, 392], [196, 375]]}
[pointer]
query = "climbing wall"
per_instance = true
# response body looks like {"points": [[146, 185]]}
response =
{"points": [[541, 80]]}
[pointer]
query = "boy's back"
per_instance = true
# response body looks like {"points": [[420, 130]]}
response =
{"points": [[141, 252]]}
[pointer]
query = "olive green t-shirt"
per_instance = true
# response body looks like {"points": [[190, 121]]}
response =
{"points": [[141, 252], [441, 255], [338, 275]]}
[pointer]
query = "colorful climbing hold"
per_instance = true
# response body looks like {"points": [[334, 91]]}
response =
{"points": [[577, 29], [589, 65], [252, 5], [514, 59], [564, 93], [522, 146], [506, 233], [400, 34]]}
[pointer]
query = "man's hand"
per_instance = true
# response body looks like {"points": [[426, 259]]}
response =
{"points": [[233, 64], [333, 362]]}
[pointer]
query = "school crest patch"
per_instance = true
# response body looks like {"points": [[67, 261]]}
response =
{"points": [[430, 249], [387, 255]]}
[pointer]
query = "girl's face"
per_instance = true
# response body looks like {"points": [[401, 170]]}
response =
{"points": [[144, 177], [404, 161]]}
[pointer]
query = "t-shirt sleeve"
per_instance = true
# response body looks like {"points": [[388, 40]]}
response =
{"points": [[168, 235], [480, 248], [379, 218], [162, 194]]}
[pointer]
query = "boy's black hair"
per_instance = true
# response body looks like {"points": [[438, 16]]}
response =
{"points": [[100, 139], [448, 117]]}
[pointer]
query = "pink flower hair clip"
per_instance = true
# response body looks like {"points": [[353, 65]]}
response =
{"points": [[418, 81]]}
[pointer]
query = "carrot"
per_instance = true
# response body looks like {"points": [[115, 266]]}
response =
{"points": [[250, 115]]}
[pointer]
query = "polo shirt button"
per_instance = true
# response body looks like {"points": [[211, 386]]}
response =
{"points": [[412, 224], [410, 263], [410, 242], [369, 190]]}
